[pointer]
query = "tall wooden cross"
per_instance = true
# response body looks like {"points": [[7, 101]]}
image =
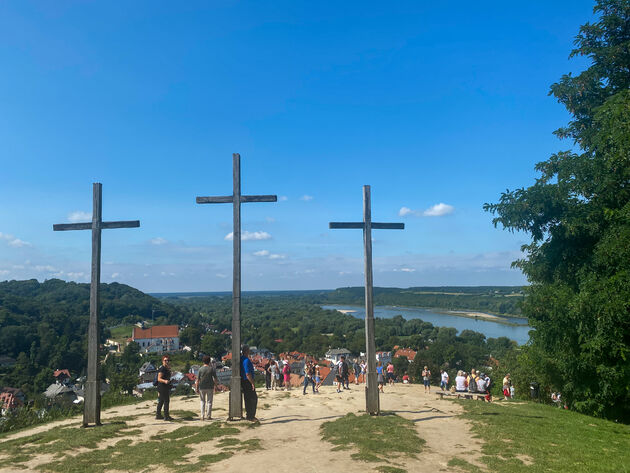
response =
{"points": [[372, 404], [92, 389], [236, 406]]}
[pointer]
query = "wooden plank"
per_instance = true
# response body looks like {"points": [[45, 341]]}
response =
{"points": [[223, 199], [121, 224], [61, 227], [259, 198], [236, 403], [372, 401], [337, 225], [388, 226], [92, 407]]}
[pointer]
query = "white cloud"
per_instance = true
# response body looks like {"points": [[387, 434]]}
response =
{"points": [[283, 198], [17, 243], [246, 236], [115, 275], [405, 270], [436, 210], [13, 241], [47, 267], [4, 272], [79, 216], [79, 275], [267, 254], [158, 241], [306, 197], [270, 219], [221, 275]]}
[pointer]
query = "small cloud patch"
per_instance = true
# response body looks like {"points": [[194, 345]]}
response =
{"points": [[248, 236]]}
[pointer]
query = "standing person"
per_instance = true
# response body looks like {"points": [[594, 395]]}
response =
{"points": [[308, 376], [379, 377], [247, 385], [506, 386], [345, 373], [164, 388], [286, 373], [363, 368], [488, 385], [204, 386], [275, 374], [357, 371], [426, 379], [444, 380], [390, 373], [267, 368], [280, 371], [472, 381], [318, 378]]}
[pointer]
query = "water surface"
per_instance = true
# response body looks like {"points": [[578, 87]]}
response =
{"points": [[490, 329]]}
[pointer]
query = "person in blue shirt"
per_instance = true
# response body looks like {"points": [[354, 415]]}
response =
{"points": [[247, 385]]}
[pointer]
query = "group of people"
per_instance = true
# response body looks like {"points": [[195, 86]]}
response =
{"points": [[475, 382], [277, 374]]}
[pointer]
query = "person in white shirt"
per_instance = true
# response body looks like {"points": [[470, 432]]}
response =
{"points": [[460, 382], [444, 380]]}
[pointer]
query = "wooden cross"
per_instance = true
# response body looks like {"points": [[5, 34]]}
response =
{"points": [[235, 402], [92, 389], [372, 404]]}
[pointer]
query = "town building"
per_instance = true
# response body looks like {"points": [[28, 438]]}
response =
{"points": [[11, 398], [335, 354], [158, 339]]}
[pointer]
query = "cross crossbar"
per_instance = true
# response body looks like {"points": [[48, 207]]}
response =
{"points": [[61, 227], [228, 199], [360, 225]]}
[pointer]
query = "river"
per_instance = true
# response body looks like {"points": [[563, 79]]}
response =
{"points": [[490, 329]]}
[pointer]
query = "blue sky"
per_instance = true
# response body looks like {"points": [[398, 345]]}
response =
{"points": [[441, 103]]}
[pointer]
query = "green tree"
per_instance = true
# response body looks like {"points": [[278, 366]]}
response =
{"points": [[578, 216]]}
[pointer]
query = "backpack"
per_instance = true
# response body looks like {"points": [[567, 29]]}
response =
{"points": [[155, 380]]}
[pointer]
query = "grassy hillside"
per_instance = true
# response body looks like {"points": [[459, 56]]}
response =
{"points": [[530, 437]]}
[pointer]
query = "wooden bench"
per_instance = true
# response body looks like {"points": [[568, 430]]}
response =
{"points": [[465, 395]]}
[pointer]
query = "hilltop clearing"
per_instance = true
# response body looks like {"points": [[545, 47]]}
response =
{"points": [[417, 433]]}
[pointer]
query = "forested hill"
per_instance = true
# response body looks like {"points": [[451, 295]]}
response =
{"points": [[44, 325], [496, 299]]}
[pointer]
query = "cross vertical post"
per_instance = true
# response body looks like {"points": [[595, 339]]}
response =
{"points": [[235, 402], [372, 403], [92, 388]]}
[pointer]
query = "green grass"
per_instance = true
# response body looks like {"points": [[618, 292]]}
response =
{"points": [[122, 333], [390, 469], [167, 449], [529, 437], [375, 438]]}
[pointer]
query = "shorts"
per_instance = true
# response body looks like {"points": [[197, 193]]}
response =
{"points": [[427, 383], [317, 379], [390, 376]]}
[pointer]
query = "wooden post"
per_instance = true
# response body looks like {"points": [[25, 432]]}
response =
{"points": [[235, 402], [372, 402], [92, 388]]}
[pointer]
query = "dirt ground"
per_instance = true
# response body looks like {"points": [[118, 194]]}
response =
{"points": [[290, 430]]}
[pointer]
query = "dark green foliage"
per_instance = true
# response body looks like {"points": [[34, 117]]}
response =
{"points": [[578, 216], [44, 327]]}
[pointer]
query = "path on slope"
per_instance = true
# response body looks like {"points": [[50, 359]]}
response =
{"points": [[290, 430]]}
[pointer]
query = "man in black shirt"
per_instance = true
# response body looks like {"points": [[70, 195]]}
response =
{"points": [[164, 388]]}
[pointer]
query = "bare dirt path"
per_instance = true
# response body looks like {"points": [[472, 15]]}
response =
{"points": [[290, 430]]}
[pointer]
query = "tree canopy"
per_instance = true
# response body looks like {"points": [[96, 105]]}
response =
{"points": [[578, 216]]}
